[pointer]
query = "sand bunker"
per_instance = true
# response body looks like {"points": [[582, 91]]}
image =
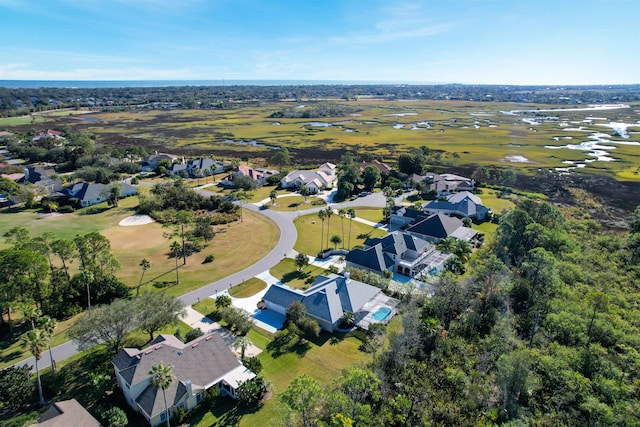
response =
{"points": [[136, 220]]}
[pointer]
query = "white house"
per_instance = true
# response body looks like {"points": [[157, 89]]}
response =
{"points": [[315, 180]]}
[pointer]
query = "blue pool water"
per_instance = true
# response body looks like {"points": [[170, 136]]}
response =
{"points": [[381, 314]]}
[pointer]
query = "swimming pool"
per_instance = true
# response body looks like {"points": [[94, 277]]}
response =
{"points": [[381, 314]]}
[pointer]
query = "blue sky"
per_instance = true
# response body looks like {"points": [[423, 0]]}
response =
{"points": [[436, 41]]}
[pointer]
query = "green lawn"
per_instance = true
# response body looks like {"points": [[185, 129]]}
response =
{"points": [[323, 359], [247, 288], [288, 273], [294, 203], [491, 200], [370, 214], [310, 227]]}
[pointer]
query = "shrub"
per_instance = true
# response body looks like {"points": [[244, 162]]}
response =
{"points": [[178, 335], [115, 417], [253, 364], [209, 259], [193, 334], [250, 392], [66, 209]]}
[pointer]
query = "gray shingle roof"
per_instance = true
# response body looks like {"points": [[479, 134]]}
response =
{"points": [[328, 298], [203, 361], [66, 413], [372, 258], [437, 225]]}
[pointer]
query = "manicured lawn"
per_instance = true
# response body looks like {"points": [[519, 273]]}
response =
{"points": [[310, 227], [288, 273], [491, 200], [370, 214], [247, 288], [323, 359], [486, 227], [294, 203]]}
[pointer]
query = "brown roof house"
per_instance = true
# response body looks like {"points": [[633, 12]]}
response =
{"points": [[196, 366], [66, 413], [382, 168]]}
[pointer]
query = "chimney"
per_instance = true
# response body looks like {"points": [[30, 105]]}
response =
{"points": [[187, 383]]}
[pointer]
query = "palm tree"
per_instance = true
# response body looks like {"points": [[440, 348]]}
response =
{"points": [[273, 196], [35, 341], [175, 251], [242, 196], [336, 240], [197, 173], [352, 214], [241, 344], [145, 264], [31, 312], [162, 378], [213, 172], [322, 215], [207, 174], [329, 212], [48, 326], [462, 249], [342, 212], [448, 244]]}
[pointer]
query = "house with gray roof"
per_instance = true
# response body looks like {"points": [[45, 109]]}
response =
{"points": [[463, 204], [43, 177], [66, 413], [330, 297], [91, 193], [397, 252], [196, 366], [440, 226], [401, 215], [444, 184]]}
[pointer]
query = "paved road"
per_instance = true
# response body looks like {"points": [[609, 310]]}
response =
{"points": [[284, 247]]}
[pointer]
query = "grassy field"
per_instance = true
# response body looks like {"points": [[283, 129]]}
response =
{"points": [[309, 229], [288, 273], [130, 245], [247, 288]]}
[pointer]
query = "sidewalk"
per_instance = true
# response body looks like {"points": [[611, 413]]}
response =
{"points": [[197, 320]]}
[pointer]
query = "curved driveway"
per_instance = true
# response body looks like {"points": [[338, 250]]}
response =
{"points": [[283, 248]]}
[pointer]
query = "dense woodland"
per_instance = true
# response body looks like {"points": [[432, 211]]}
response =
{"points": [[543, 330], [18, 101]]}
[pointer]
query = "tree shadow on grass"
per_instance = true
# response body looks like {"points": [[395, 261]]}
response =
{"points": [[227, 412], [294, 275]]}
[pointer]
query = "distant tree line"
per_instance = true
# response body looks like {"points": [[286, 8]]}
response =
{"points": [[20, 101]]}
